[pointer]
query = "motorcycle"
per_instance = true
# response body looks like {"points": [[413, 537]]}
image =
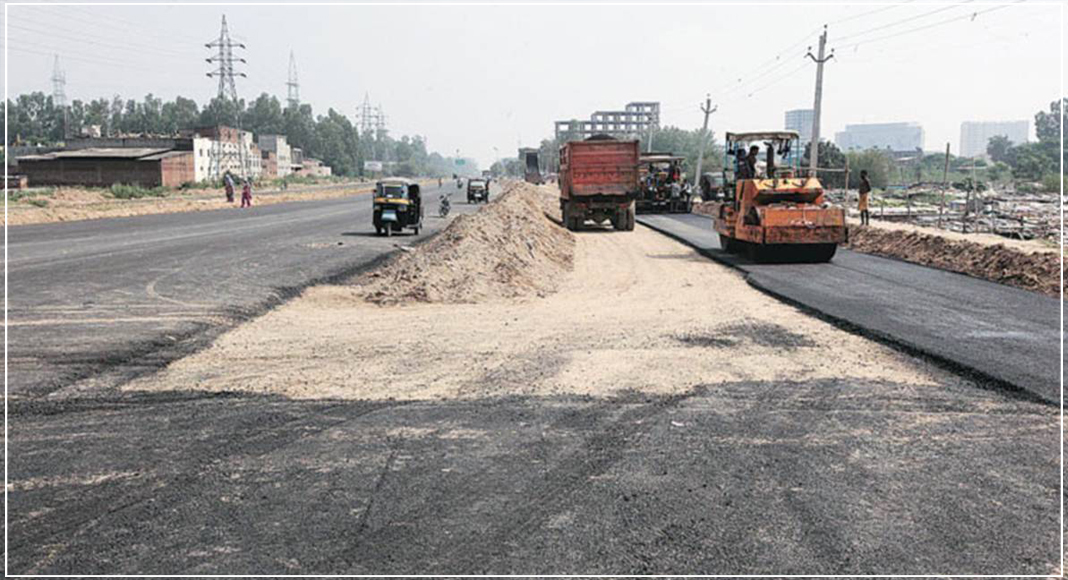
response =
{"points": [[444, 206]]}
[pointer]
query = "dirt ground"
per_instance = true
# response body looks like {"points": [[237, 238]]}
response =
{"points": [[983, 239], [1023, 264], [638, 312], [72, 204]]}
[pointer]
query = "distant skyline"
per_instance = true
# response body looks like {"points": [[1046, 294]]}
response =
{"points": [[483, 80]]}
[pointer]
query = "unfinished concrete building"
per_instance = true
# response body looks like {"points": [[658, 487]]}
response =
{"points": [[637, 120]]}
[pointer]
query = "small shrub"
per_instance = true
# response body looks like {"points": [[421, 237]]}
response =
{"points": [[38, 202], [125, 191], [1051, 182]]}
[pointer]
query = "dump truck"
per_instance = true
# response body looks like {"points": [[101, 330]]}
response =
{"points": [[531, 169], [770, 212], [663, 187], [599, 181]]}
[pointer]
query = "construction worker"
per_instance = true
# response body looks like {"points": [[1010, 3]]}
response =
{"points": [[862, 199], [751, 161], [740, 166]]}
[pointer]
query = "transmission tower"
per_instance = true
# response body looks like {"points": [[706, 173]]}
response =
{"points": [[59, 91], [293, 85], [225, 61], [372, 124], [368, 116]]}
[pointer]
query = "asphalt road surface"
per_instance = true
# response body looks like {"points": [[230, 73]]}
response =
{"points": [[1006, 335], [94, 303], [804, 477]]}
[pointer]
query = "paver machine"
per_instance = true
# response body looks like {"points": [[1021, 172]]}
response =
{"points": [[770, 211], [663, 187]]}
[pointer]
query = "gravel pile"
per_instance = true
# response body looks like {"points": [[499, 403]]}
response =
{"points": [[510, 248]]}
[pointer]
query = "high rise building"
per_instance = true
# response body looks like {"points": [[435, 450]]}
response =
{"points": [[892, 136], [975, 135], [800, 120]]}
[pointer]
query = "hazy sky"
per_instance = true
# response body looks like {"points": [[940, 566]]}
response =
{"points": [[476, 78]]}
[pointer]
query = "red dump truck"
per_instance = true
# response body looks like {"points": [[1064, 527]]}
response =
{"points": [[599, 182]]}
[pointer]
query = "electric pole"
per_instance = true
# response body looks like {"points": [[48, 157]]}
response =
{"points": [[707, 109], [59, 91], [293, 85], [814, 154], [225, 71]]}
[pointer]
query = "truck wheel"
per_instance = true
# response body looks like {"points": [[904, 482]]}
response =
{"points": [[630, 219]]}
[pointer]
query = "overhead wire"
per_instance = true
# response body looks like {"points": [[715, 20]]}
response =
{"points": [[971, 16], [904, 20], [50, 31]]}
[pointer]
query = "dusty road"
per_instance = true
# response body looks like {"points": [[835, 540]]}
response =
{"points": [[95, 303], [654, 415]]}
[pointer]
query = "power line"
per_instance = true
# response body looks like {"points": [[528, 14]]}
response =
{"points": [[869, 13], [903, 20], [139, 30], [971, 16], [114, 22], [52, 32], [91, 60]]}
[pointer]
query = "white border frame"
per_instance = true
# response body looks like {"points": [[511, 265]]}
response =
{"points": [[1062, 97]]}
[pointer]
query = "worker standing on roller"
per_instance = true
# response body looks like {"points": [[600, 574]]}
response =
{"points": [[862, 199]]}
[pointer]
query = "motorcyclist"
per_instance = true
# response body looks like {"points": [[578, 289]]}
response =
{"points": [[443, 204]]}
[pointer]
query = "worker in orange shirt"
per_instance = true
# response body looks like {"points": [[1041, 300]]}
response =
{"points": [[862, 201]]}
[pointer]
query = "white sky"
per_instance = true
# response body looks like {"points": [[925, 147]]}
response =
{"points": [[476, 78]]}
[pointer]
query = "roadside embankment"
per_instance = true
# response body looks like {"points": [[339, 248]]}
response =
{"points": [[63, 204], [1026, 265], [510, 248]]}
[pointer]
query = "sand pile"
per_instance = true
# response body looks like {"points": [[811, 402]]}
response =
{"points": [[510, 248], [1035, 271]]}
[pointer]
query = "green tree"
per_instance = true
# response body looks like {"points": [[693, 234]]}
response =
{"points": [[876, 162], [831, 157], [998, 148]]}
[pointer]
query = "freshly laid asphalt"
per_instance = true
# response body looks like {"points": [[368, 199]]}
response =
{"points": [[1006, 336], [95, 303]]}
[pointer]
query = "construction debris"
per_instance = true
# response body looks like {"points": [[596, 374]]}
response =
{"points": [[513, 247]]}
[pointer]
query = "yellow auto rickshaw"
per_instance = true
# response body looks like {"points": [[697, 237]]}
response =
{"points": [[397, 205]]}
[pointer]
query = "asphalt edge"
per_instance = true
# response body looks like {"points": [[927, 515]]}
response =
{"points": [[982, 379]]}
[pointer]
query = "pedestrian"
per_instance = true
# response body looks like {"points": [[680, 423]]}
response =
{"points": [[862, 199], [228, 184], [246, 194]]}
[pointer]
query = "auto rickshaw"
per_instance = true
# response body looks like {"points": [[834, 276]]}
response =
{"points": [[397, 205]]}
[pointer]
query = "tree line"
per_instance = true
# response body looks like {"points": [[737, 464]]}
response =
{"points": [[34, 119]]}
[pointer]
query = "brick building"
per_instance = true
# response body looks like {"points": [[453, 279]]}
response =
{"points": [[103, 166]]}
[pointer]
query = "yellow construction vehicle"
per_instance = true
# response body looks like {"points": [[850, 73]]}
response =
{"points": [[769, 211]]}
